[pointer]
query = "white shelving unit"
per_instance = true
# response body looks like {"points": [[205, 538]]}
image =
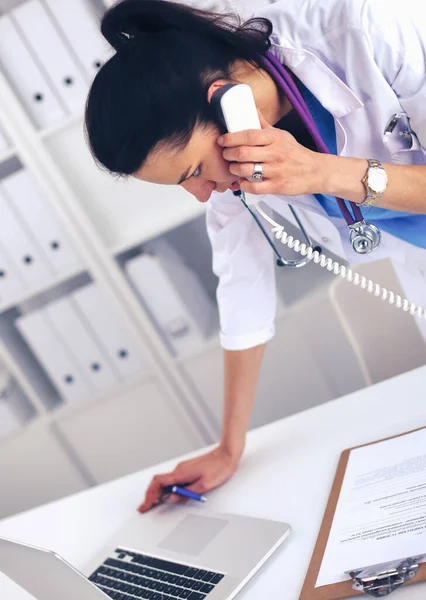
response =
{"points": [[103, 218]]}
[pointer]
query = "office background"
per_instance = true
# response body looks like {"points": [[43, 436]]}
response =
{"points": [[109, 352]]}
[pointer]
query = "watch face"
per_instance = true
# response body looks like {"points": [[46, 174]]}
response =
{"points": [[377, 180]]}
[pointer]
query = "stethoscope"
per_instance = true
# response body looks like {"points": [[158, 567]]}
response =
{"points": [[281, 261], [364, 237]]}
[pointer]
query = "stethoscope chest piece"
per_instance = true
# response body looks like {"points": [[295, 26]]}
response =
{"points": [[364, 237]]}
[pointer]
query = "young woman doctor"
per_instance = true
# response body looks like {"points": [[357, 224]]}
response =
{"points": [[360, 65]]}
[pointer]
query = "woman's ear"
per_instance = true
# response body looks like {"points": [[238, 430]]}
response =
{"points": [[216, 85]]}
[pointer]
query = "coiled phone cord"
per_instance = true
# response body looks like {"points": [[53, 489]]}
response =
{"points": [[344, 272]]}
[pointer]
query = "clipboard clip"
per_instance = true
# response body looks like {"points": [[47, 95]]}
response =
{"points": [[381, 580]]}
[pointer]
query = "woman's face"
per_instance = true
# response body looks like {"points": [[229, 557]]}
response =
{"points": [[200, 168], [201, 163]]}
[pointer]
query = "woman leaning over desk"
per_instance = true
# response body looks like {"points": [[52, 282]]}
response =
{"points": [[357, 62]]}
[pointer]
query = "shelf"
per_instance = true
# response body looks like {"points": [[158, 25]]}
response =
{"points": [[57, 128], [125, 211], [6, 154], [65, 409], [30, 293], [6, 437], [161, 224]]}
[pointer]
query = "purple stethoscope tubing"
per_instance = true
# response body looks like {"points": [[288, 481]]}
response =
{"points": [[289, 87]]}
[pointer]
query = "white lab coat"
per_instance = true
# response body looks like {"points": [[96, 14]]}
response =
{"points": [[364, 60]]}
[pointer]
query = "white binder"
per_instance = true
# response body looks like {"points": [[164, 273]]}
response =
{"points": [[27, 78], [82, 30], [57, 61], [54, 357], [11, 283], [87, 353], [27, 198], [4, 142], [111, 331], [174, 296], [26, 255]]}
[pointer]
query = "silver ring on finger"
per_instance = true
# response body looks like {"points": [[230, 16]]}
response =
{"points": [[258, 172]]}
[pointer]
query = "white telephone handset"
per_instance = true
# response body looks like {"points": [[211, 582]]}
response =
{"points": [[236, 110]]}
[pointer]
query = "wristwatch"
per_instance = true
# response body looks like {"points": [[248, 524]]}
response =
{"points": [[375, 181]]}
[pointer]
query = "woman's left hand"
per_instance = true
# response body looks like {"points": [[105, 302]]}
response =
{"points": [[289, 169]]}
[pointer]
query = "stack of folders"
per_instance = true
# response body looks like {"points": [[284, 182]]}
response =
{"points": [[174, 296], [15, 410], [4, 142], [83, 345], [50, 51], [34, 246]]}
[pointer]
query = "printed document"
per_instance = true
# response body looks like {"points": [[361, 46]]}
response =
{"points": [[381, 512]]}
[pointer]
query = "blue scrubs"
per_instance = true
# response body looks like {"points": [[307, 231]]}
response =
{"points": [[406, 226]]}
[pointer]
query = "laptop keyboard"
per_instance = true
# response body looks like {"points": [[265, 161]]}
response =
{"points": [[131, 575]]}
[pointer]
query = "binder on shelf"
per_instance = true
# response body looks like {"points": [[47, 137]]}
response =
{"points": [[174, 296], [111, 331], [24, 252], [74, 335], [375, 514], [27, 198], [55, 59], [26, 77], [82, 30], [11, 283], [54, 357]]}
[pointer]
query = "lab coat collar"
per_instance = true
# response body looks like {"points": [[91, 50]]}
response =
{"points": [[333, 94]]}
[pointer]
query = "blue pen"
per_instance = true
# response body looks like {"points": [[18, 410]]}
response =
{"points": [[180, 491]]}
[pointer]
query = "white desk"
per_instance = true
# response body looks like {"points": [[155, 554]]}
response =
{"points": [[286, 474]]}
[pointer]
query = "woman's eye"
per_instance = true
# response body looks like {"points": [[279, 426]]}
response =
{"points": [[197, 172]]}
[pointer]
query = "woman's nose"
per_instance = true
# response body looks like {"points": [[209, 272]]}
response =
{"points": [[201, 190]]}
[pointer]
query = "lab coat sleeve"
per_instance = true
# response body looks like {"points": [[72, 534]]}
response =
{"points": [[243, 262], [396, 33]]}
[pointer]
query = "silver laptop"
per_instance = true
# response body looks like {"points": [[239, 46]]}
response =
{"points": [[172, 553]]}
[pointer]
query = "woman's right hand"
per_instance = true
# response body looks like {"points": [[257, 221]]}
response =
{"points": [[199, 475]]}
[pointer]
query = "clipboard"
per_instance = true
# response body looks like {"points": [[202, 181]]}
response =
{"points": [[406, 570]]}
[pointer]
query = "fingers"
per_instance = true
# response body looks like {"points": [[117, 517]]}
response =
{"points": [[247, 170], [250, 154], [257, 187], [176, 499], [199, 487], [155, 490], [249, 137], [263, 122], [199, 475], [182, 475]]}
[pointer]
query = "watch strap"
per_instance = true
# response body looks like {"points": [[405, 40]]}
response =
{"points": [[372, 196]]}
